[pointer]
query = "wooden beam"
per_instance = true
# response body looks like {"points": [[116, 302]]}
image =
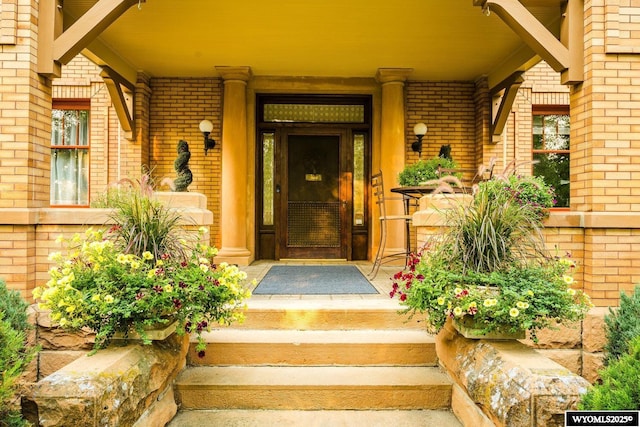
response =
{"points": [[115, 82], [572, 36], [49, 27], [88, 27], [510, 87], [530, 30]]}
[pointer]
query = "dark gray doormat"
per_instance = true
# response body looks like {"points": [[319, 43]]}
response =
{"points": [[314, 280]]}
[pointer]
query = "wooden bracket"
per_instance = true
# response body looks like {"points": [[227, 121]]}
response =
{"points": [[510, 87], [58, 47], [124, 107], [565, 57]]}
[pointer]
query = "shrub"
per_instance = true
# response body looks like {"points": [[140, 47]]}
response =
{"points": [[622, 325], [423, 171], [15, 355], [620, 389]]}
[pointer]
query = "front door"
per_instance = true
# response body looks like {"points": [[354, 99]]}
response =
{"points": [[314, 198], [312, 158]]}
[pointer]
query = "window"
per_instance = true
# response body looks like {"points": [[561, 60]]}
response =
{"points": [[551, 149], [70, 153]]}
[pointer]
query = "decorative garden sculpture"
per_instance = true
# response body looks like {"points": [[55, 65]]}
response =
{"points": [[181, 165]]}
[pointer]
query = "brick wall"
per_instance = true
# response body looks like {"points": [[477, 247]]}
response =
{"points": [[177, 107], [448, 110]]}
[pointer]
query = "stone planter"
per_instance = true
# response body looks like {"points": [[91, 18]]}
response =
{"points": [[469, 328], [158, 332]]}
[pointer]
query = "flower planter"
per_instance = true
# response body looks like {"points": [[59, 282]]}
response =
{"points": [[469, 328], [158, 332]]}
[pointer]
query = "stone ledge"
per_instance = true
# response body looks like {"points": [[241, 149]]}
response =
{"points": [[513, 384], [115, 386]]}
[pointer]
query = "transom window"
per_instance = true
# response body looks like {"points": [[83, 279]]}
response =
{"points": [[551, 149], [70, 153]]}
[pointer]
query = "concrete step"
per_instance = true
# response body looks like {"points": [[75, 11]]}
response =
{"points": [[336, 347], [323, 314], [313, 388], [267, 418]]}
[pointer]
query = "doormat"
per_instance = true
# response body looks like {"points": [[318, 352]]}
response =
{"points": [[314, 280]]}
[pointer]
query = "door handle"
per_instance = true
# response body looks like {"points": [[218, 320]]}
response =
{"points": [[277, 188]]}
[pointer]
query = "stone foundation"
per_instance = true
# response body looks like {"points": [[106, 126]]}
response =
{"points": [[506, 382], [123, 385]]}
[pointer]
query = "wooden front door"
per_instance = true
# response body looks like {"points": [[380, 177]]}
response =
{"points": [[314, 200]]}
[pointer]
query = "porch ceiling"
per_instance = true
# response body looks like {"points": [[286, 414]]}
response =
{"points": [[440, 40]]}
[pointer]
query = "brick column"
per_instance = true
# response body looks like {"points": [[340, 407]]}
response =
{"points": [[605, 151], [392, 149], [234, 167], [25, 135]]}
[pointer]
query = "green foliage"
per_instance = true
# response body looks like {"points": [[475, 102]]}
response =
{"points": [[423, 171], [490, 264], [620, 388], [138, 274], [15, 355], [531, 192], [622, 325], [492, 233], [520, 297]]}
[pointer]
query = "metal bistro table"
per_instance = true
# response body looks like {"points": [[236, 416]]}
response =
{"points": [[411, 196]]}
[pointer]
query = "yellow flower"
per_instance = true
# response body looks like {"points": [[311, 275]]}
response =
{"points": [[95, 298], [168, 288], [456, 291], [571, 292], [135, 265], [203, 230], [204, 268], [108, 299], [440, 300], [71, 308], [147, 255], [457, 311], [514, 312], [487, 302], [530, 292], [122, 259], [567, 279], [159, 263], [523, 305]]}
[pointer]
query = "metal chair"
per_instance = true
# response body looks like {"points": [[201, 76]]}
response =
{"points": [[381, 200]]}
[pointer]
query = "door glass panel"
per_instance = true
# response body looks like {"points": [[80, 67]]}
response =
{"points": [[268, 169], [358, 179]]}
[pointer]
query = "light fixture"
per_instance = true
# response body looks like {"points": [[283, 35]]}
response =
{"points": [[419, 130], [206, 127]]}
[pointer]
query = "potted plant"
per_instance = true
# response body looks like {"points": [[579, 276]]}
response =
{"points": [[423, 171], [141, 272], [489, 266]]}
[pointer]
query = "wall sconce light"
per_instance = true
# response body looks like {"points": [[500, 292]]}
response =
{"points": [[206, 127], [420, 131]]}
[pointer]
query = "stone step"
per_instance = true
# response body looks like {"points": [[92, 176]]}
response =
{"points": [[335, 347], [291, 418], [323, 314], [313, 388]]}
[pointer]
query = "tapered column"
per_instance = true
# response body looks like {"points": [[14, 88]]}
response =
{"points": [[234, 167], [392, 155]]}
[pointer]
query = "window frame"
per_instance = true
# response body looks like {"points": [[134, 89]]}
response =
{"points": [[80, 104], [551, 110]]}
